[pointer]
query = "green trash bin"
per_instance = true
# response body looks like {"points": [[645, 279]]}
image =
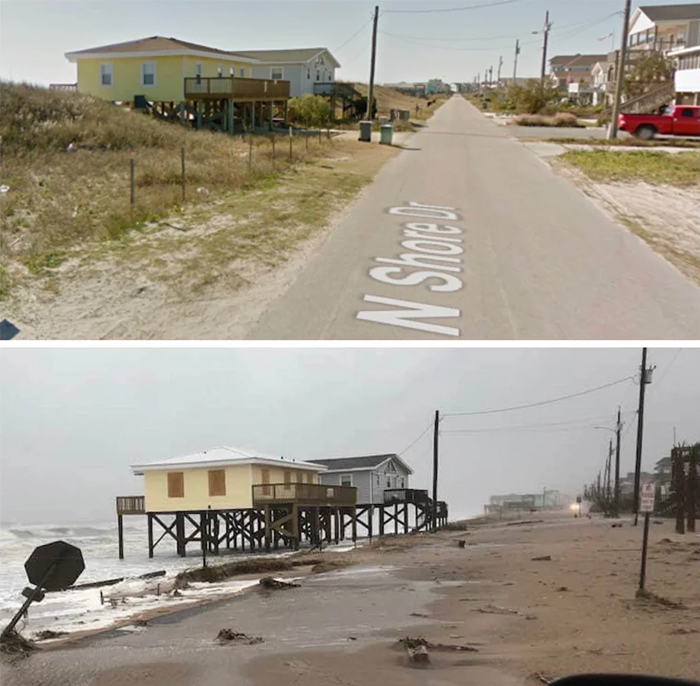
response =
{"points": [[484, 105], [386, 133]]}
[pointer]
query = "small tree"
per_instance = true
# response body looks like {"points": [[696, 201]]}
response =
{"points": [[312, 110], [647, 72], [529, 99]]}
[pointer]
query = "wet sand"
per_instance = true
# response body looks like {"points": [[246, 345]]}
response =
{"points": [[574, 613]]}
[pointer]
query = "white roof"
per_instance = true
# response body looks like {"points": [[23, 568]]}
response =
{"points": [[223, 456]]}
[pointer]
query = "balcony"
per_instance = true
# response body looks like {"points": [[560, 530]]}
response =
{"points": [[63, 86], [304, 494], [235, 88], [405, 495], [131, 504], [341, 90]]}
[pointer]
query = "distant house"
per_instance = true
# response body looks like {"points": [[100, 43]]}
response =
{"points": [[665, 27], [687, 77], [310, 71], [154, 67], [374, 476], [573, 73], [417, 89], [229, 478]]}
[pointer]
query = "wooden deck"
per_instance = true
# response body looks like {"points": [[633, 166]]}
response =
{"points": [[304, 494], [131, 504], [405, 495], [235, 88]]}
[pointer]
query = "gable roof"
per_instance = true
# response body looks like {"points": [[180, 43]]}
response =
{"points": [[577, 61], [222, 456], [158, 45], [292, 56], [344, 464], [684, 12]]}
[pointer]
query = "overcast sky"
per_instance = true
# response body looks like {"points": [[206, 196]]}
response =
{"points": [[73, 420], [412, 45]]}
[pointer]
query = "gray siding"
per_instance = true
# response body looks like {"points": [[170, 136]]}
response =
{"points": [[292, 73], [380, 479]]}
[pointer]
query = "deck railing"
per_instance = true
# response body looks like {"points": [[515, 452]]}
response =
{"points": [[236, 88], [63, 86], [311, 494], [131, 504], [405, 495]]}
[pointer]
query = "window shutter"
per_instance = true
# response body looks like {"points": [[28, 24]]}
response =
{"points": [[217, 482], [176, 485]]}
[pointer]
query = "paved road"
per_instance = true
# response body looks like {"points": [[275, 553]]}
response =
{"points": [[519, 253]]}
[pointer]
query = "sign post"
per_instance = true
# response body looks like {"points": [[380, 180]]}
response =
{"points": [[646, 506]]}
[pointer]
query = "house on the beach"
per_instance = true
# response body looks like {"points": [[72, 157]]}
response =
{"points": [[174, 79], [230, 478], [665, 28], [310, 71], [378, 479]]}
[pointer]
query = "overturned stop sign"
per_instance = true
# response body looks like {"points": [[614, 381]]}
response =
{"points": [[54, 566]]}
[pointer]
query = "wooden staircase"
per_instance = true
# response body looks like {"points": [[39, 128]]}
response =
{"points": [[646, 103]]}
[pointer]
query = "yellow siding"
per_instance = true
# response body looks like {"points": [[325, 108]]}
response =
{"points": [[277, 474], [238, 490], [126, 82]]}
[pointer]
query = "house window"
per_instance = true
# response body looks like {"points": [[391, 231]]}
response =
{"points": [[318, 75], [176, 484], [346, 479], [148, 74], [265, 475], [300, 477], [217, 482], [287, 478], [309, 477], [308, 73], [220, 70], [276, 73], [198, 70], [242, 72], [232, 71], [107, 74]]}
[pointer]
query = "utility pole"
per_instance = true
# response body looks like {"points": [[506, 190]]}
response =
{"points": [[618, 428], [491, 76], [435, 468], [644, 379], [619, 87], [478, 83], [370, 95], [547, 27], [608, 471], [515, 64], [500, 65]]}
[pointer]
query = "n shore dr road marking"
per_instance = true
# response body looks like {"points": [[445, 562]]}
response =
{"points": [[435, 249]]}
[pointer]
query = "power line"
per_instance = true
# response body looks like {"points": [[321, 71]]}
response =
{"points": [[542, 402], [675, 357], [354, 35], [427, 428], [452, 9], [569, 423]]}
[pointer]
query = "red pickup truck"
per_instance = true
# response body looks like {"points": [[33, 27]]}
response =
{"points": [[675, 121]]}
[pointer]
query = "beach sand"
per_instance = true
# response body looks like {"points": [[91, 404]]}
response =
{"points": [[574, 613]]}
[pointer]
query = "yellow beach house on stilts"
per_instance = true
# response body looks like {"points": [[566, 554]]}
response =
{"points": [[171, 78]]}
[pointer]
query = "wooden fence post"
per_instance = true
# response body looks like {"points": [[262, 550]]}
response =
{"points": [[182, 162], [273, 149], [250, 151], [133, 181], [291, 154]]}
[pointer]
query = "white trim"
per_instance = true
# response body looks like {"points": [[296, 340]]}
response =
{"points": [[138, 470], [143, 75], [111, 74], [278, 78], [684, 51], [340, 479], [74, 56], [220, 71]]}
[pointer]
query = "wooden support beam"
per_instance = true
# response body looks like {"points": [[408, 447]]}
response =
{"points": [[199, 106], [120, 531], [149, 518], [180, 534]]}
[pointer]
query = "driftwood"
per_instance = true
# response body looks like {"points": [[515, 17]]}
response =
{"points": [[411, 643], [111, 582], [228, 636], [275, 584], [542, 558]]}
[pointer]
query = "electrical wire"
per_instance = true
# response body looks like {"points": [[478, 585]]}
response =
{"points": [[354, 35], [542, 402], [417, 439], [452, 9], [665, 371], [568, 424]]}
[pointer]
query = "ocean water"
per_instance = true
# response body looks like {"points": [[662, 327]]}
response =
{"points": [[80, 610]]}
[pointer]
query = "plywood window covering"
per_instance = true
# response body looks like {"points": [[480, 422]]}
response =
{"points": [[300, 477], [265, 474], [217, 482], [287, 478], [176, 484], [309, 477]]}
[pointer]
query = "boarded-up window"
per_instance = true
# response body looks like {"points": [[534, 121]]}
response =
{"points": [[217, 482], [309, 477], [265, 474], [176, 485], [287, 478], [300, 477]]}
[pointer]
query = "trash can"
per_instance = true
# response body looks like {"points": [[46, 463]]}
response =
{"points": [[404, 115], [392, 115], [366, 131], [383, 120], [484, 105], [386, 132]]}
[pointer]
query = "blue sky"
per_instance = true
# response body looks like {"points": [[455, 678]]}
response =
{"points": [[452, 45]]}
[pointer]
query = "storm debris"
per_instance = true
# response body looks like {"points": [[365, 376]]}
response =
{"points": [[270, 583], [229, 636], [542, 558], [48, 633], [412, 643], [13, 643]]}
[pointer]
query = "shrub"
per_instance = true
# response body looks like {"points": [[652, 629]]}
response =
{"points": [[312, 110]]}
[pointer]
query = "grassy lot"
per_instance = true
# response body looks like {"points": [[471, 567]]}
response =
{"points": [[678, 169], [65, 204], [625, 142]]}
